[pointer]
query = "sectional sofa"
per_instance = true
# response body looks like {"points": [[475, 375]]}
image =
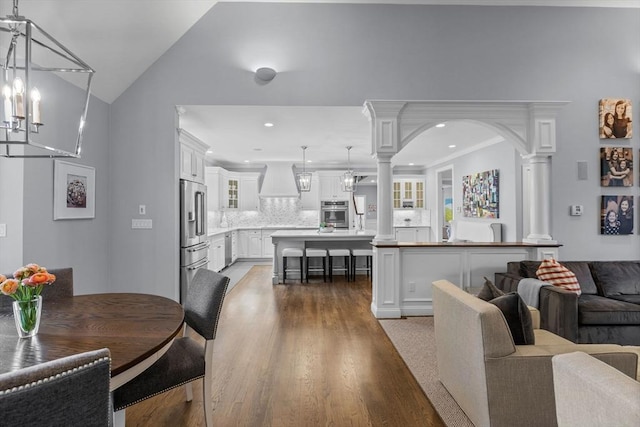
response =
{"points": [[607, 311]]}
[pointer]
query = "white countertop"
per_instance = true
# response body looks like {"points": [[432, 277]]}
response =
{"points": [[214, 231], [315, 234]]}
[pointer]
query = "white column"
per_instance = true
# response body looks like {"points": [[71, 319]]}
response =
{"points": [[540, 200], [385, 206]]}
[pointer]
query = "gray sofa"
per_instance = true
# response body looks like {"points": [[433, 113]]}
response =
{"points": [[607, 311]]}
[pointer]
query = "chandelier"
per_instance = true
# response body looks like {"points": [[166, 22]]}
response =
{"points": [[45, 92], [304, 178], [348, 178]]}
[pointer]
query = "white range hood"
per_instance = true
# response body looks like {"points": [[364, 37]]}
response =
{"points": [[279, 181]]}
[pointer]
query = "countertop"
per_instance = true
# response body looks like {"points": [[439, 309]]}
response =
{"points": [[214, 231], [315, 234]]}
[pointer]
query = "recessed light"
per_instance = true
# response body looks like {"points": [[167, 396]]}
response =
{"points": [[452, 146], [247, 161], [309, 161], [411, 164], [209, 151], [440, 125], [268, 125]]}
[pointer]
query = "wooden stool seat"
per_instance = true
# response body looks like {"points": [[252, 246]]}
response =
{"points": [[292, 253], [316, 253], [346, 254]]}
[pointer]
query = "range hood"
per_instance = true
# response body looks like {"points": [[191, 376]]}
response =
{"points": [[279, 181]]}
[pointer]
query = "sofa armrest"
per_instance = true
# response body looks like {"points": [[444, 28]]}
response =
{"points": [[507, 282], [535, 317], [590, 392], [559, 312]]}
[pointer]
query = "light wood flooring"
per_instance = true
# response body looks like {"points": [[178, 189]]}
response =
{"points": [[298, 355]]}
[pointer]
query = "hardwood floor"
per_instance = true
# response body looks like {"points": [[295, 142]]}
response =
{"points": [[298, 355]]}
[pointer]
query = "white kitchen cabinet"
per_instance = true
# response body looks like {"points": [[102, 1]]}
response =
{"points": [[216, 252], [213, 177], [250, 244], [408, 193], [267, 243], [310, 200], [249, 200], [192, 154], [412, 234], [234, 246], [232, 191], [331, 186]]}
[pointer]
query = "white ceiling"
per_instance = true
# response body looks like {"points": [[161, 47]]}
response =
{"points": [[101, 32]]}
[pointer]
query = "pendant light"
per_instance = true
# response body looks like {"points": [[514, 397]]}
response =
{"points": [[348, 179], [33, 62], [304, 178]]}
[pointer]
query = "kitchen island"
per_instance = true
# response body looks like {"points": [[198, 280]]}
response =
{"points": [[303, 239]]}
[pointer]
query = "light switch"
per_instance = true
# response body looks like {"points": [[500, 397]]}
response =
{"points": [[142, 210], [3, 230]]}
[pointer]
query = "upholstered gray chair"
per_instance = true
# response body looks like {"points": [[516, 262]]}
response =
{"points": [[71, 391], [186, 360]]}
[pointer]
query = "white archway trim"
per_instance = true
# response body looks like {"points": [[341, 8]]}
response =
{"points": [[529, 125]]}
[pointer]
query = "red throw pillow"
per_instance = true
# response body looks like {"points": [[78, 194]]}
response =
{"points": [[551, 271]]}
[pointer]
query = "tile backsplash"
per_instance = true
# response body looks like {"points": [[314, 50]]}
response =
{"points": [[273, 211]]}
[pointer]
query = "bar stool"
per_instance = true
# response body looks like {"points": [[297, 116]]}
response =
{"points": [[291, 253], [317, 253], [346, 254], [368, 254]]}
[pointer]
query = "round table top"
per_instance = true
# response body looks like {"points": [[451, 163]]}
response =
{"points": [[132, 326]]}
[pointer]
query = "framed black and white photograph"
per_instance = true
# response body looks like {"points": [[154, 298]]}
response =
{"points": [[616, 167], [74, 191], [615, 118], [616, 215]]}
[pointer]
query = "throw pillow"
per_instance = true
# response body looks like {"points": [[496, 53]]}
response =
{"points": [[551, 271], [518, 317], [489, 291]]}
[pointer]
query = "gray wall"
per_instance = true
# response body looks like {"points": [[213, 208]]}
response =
{"points": [[36, 237], [330, 54], [501, 156]]}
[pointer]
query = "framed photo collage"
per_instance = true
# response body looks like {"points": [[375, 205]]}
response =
{"points": [[616, 167]]}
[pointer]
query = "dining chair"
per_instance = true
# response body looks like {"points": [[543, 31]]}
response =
{"points": [[72, 391], [186, 360]]}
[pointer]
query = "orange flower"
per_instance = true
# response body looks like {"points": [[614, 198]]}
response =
{"points": [[9, 286], [2, 278], [37, 279]]}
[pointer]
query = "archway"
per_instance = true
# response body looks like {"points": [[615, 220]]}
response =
{"points": [[529, 126]]}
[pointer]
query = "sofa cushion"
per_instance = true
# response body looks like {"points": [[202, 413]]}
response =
{"points": [[597, 310], [579, 268], [518, 317], [489, 291], [634, 299], [616, 277], [551, 271]]}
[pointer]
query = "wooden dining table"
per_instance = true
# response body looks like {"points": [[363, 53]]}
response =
{"points": [[136, 328]]}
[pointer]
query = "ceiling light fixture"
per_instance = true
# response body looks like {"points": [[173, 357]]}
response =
{"points": [[304, 178], [35, 58], [348, 178], [268, 125], [452, 146], [265, 74], [440, 125]]}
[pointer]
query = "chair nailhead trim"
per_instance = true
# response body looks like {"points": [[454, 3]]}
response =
{"points": [[56, 376]]}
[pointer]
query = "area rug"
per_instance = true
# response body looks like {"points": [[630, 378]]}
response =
{"points": [[414, 339]]}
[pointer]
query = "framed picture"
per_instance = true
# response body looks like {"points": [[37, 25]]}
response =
{"points": [[480, 194], [616, 215], [616, 167], [74, 191], [615, 118]]}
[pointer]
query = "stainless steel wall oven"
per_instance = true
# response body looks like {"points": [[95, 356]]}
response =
{"points": [[335, 212]]}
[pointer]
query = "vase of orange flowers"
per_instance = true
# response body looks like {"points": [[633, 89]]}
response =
{"points": [[25, 288]]}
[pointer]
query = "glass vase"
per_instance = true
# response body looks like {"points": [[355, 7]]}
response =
{"points": [[27, 316]]}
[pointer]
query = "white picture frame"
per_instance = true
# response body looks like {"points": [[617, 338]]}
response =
{"points": [[74, 191]]}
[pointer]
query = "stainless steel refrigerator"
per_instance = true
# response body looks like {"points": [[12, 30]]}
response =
{"points": [[194, 246]]}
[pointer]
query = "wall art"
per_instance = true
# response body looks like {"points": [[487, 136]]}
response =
{"points": [[616, 215], [74, 191], [616, 167], [480, 197], [615, 118]]}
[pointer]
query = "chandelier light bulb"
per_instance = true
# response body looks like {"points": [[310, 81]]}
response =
{"points": [[18, 97], [7, 104], [35, 106]]}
